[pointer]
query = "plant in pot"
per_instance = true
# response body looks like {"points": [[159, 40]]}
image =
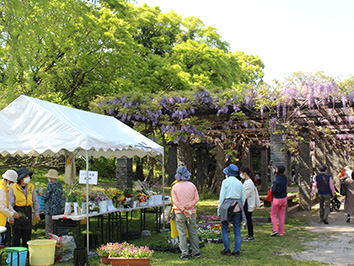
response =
{"points": [[129, 254], [70, 198], [101, 199], [103, 251]]}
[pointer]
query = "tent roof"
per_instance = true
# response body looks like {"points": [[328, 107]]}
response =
{"points": [[35, 127]]}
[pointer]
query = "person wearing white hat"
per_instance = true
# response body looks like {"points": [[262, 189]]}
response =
{"points": [[8, 178], [23, 199], [52, 200]]}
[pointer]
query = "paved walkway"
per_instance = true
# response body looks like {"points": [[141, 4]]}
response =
{"points": [[335, 242]]}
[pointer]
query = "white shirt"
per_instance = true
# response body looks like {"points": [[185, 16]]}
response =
{"points": [[251, 195]]}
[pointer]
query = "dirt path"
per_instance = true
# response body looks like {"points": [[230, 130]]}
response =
{"points": [[335, 244]]}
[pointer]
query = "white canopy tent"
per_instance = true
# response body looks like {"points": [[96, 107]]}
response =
{"points": [[34, 127]]}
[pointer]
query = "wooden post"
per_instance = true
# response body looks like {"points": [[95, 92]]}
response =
{"points": [[264, 161], [172, 163], [305, 170], [277, 152]]}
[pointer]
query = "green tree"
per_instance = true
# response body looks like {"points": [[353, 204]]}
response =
{"points": [[73, 51], [64, 51]]}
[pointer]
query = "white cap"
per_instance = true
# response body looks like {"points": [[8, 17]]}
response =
{"points": [[10, 175]]}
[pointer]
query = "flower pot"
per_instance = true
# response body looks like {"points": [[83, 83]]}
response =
{"points": [[110, 206], [151, 201], [157, 199], [118, 261], [135, 203], [143, 204], [105, 260], [103, 205], [210, 240], [67, 210], [75, 207]]}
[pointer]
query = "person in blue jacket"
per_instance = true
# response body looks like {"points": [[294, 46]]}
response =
{"points": [[280, 200]]}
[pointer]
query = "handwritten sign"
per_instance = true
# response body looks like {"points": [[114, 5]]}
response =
{"points": [[92, 177]]}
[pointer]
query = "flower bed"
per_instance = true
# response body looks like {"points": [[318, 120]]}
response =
{"points": [[209, 229]]}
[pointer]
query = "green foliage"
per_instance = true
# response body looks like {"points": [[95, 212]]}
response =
{"points": [[106, 167], [80, 50]]}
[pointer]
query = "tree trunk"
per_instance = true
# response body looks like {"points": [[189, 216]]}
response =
{"points": [[139, 172], [172, 163], [184, 154]]}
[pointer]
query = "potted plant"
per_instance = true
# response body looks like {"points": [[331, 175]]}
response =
{"points": [[129, 254], [143, 198], [102, 200], [103, 251], [70, 197], [209, 228]]}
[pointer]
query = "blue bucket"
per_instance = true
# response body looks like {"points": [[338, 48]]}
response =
{"points": [[41, 203], [15, 254]]}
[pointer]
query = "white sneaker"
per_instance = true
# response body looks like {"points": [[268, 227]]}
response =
{"points": [[274, 233]]}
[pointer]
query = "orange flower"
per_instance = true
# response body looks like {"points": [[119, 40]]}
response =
{"points": [[217, 226]]}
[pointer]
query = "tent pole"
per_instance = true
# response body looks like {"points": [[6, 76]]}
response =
{"points": [[87, 204]]}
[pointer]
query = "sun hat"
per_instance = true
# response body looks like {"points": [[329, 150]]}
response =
{"points": [[231, 170], [182, 173], [10, 175], [23, 172], [52, 173]]}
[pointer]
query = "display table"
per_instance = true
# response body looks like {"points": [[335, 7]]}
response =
{"points": [[116, 219]]}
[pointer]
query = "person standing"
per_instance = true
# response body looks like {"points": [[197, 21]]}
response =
{"points": [[325, 189], [22, 198], [52, 199], [280, 200], [252, 199], [9, 178], [348, 181], [185, 197], [231, 201]]}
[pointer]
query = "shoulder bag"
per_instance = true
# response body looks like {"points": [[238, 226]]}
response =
{"points": [[269, 196], [343, 188]]}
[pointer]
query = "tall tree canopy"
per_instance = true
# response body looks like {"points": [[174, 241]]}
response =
{"points": [[73, 51]]}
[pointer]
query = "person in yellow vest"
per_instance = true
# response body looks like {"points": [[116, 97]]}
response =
{"points": [[8, 179], [22, 198]]}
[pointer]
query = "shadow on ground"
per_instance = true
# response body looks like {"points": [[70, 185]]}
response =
{"points": [[335, 244]]}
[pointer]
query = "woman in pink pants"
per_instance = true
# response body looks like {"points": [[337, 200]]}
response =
{"points": [[279, 189]]}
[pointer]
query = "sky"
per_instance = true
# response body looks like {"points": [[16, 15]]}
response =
{"points": [[287, 35]]}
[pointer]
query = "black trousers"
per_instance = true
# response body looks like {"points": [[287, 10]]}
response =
{"points": [[18, 234], [249, 220]]}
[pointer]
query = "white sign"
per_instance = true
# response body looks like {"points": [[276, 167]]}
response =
{"points": [[92, 177]]}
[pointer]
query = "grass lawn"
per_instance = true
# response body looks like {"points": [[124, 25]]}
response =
{"points": [[265, 250]]}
